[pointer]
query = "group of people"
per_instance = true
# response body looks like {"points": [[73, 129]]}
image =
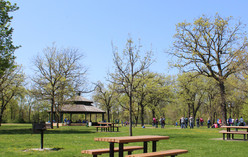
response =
{"points": [[155, 122], [184, 122], [68, 121]]}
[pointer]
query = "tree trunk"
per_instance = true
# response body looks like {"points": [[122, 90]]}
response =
{"points": [[130, 115], [136, 120], [52, 113], [223, 102], [189, 110], [1, 115], [194, 113], [142, 115], [29, 114], [213, 120], [108, 113]]}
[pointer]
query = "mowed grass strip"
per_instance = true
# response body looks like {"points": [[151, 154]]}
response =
{"points": [[70, 140]]}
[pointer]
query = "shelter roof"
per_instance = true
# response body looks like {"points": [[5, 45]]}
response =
{"points": [[78, 98], [80, 108]]}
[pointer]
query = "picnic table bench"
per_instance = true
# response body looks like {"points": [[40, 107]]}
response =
{"points": [[171, 153], [229, 132], [103, 128], [96, 152]]}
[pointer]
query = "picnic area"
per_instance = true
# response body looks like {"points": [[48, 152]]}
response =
{"points": [[18, 140]]}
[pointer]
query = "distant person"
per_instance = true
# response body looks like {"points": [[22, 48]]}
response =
{"points": [[237, 122], [186, 122], [230, 121], [156, 123], [220, 123], [153, 121], [182, 122], [162, 122], [176, 124], [209, 122], [214, 126], [191, 122], [201, 121], [241, 122], [198, 122]]}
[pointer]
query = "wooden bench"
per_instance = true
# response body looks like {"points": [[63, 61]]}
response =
{"points": [[96, 152], [171, 153], [117, 127], [105, 128], [233, 132]]}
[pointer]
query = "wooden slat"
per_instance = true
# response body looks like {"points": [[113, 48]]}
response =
{"points": [[102, 151], [235, 127], [233, 132], [127, 139], [160, 154], [102, 126]]}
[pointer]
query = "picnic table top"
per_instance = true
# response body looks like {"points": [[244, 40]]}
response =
{"points": [[235, 127], [127, 139]]}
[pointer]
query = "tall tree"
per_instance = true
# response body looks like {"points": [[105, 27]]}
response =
{"points": [[6, 45], [105, 97], [11, 84], [128, 65], [213, 47], [58, 74]]}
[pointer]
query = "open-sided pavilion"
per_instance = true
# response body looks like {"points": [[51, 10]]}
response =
{"points": [[78, 105]]}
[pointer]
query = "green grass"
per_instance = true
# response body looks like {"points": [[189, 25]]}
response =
{"points": [[200, 142]]}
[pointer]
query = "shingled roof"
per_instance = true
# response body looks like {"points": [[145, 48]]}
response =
{"points": [[79, 99], [79, 104], [80, 108]]}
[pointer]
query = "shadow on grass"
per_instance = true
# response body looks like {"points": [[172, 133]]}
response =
{"points": [[30, 131]]}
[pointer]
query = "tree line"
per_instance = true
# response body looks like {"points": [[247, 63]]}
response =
{"points": [[210, 53]]}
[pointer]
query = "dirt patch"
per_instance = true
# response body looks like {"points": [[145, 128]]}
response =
{"points": [[44, 149]]}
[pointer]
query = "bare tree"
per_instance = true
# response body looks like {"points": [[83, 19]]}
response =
{"points": [[128, 65], [105, 97], [58, 74], [213, 47]]}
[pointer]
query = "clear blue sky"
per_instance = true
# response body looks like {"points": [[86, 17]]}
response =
{"points": [[91, 26]]}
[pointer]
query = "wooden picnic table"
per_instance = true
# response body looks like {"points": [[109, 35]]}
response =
{"points": [[111, 125], [129, 139], [228, 130]]}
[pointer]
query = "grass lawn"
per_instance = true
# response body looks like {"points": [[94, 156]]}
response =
{"points": [[200, 142]]}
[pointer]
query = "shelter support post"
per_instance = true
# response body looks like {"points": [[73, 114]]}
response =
{"points": [[61, 117]]}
